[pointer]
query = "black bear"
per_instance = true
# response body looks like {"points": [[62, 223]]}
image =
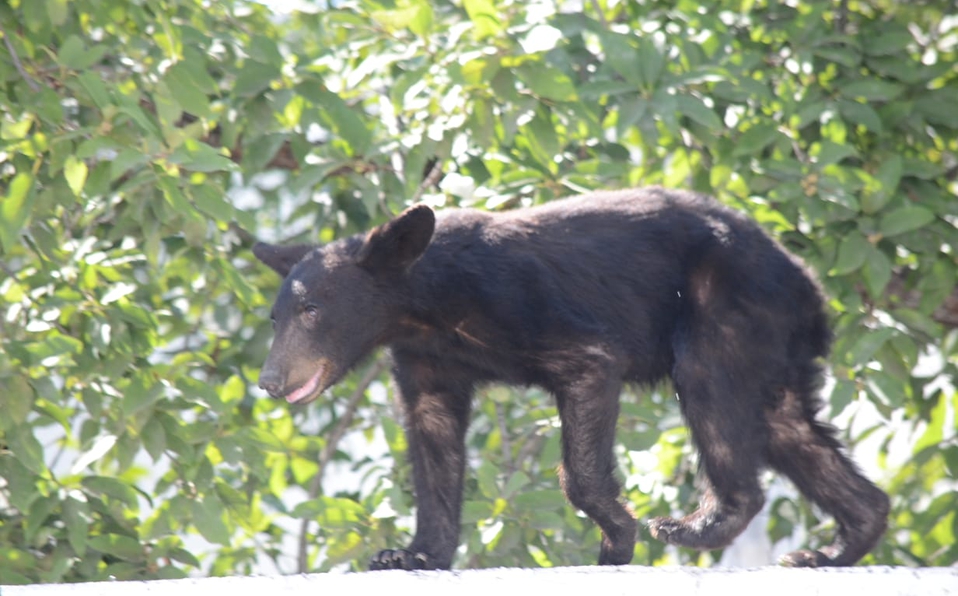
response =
{"points": [[579, 296]]}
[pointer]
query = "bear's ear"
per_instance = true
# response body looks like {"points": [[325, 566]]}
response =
{"points": [[398, 243], [281, 258]]}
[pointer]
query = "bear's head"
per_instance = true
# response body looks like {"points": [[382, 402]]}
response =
{"points": [[338, 302]]}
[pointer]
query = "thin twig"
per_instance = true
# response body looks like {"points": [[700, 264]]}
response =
{"points": [[16, 61], [508, 462], [332, 444], [532, 445], [431, 178], [841, 19], [598, 11]]}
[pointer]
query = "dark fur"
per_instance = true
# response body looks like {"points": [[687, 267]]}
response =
{"points": [[580, 296]]}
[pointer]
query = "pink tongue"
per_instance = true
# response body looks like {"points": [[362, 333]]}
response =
{"points": [[306, 390]]}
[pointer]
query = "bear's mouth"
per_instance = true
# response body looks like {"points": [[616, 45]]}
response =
{"points": [[308, 391]]}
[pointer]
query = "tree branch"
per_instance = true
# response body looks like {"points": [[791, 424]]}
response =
{"points": [[505, 443], [435, 173], [332, 444], [841, 19], [598, 11], [16, 61]]}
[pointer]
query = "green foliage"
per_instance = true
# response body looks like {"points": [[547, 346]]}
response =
{"points": [[143, 145]]}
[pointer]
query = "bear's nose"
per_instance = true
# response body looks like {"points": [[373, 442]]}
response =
{"points": [[271, 382]]}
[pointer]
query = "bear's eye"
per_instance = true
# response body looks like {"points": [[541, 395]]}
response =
{"points": [[311, 311]]}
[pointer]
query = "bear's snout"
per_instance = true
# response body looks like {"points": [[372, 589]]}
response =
{"points": [[270, 381]]}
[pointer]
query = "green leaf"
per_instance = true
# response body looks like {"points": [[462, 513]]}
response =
{"points": [[547, 82], [255, 77], [901, 68], [71, 53], [210, 200], [259, 151], [860, 113], [844, 55], [58, 11], [55, 345], [487, 475], [484, 17], [422, 22], [939, 107], [417, 17], [516, 481], [338, 512], [20, 129], [100, 447], [15, 210], [338, 116], [118, 545], [540, 499], [265, 50], [542, 140], [184, 556], [26, 448], [871, 90], [187, 88], [94, 86], [886, 42], [75, 172], [877, 272], [597, 89], [154, 438], [262, 439], [146, 122], [37, 518], [140, 394], [868, 344], [198, 156], [827, 152], [76, 517], [843, 394], [631, 111], [622, 56], [905, 219], [921, 168], [695, 108], [888, 176], [16, 401], [474, 511], [345, 547], [852, 252], [651, 63], [755, 139], [208, 518]]}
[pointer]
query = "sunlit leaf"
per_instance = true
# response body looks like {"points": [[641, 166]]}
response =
{"points": [[15, 209], [548, 82], [208, 518], [484, 17], [100, 447]]}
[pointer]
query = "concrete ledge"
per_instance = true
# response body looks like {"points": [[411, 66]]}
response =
{"points": [[578, 581]]}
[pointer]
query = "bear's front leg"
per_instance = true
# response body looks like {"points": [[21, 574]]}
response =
{"points": [[437, 414]]}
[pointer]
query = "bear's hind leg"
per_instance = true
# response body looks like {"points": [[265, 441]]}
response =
{"points": [[720, 397], [807, 452], [730, 441]]}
